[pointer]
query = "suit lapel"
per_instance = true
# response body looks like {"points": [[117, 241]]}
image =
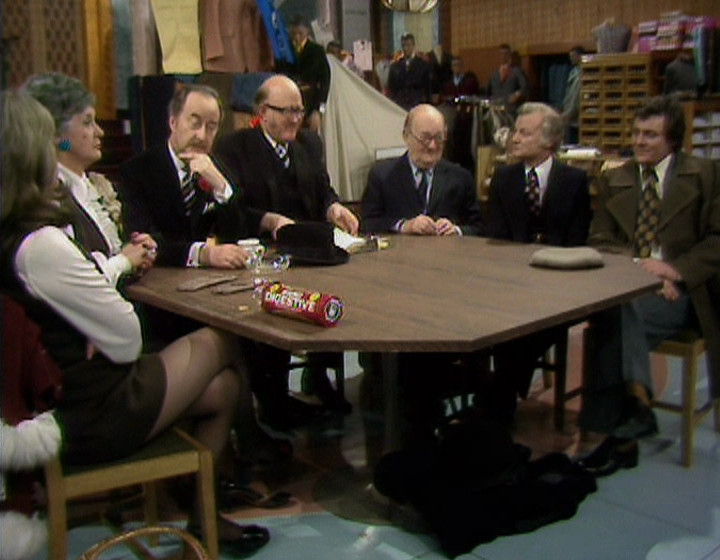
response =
{"points": [[623, 205], [303, 174], [679, 191], [166, 174], [268, 158], [404, 178]]}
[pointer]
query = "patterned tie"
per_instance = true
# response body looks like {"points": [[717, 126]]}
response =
{"points": [[187, 189], [423, 187], [282, 152], [532, 191], [648, 215]]}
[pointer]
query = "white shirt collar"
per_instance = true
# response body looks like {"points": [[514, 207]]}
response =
{"points": [[179, 164], [78, 184], [416, 171], [661, 170]]}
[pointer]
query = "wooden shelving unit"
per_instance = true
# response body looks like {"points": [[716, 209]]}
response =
{"points": [[612, 87], [702, 128]]}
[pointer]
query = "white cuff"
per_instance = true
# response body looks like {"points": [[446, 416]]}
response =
{"points": [[193, 260]]}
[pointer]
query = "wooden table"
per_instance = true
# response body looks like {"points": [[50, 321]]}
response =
{"points": [[420, 295]]}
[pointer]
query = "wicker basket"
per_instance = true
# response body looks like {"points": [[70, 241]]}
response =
{"points": [[192, 543]]}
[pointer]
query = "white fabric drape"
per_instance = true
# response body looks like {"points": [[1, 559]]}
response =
{"points": [[359, 120]]}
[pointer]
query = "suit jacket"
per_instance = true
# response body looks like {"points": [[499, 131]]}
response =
{"points": [[410, 85], [251, 162], [689, 234], [468, 85], [152, 202], [311, 71], [391, 195], [565, 215]]}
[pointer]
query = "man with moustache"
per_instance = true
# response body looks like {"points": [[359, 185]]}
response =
{"points": [[180, 195]]}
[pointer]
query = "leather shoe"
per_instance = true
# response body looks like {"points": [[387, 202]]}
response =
{"points": [[234, 540], [611, 455], [640, 422], [231, 495]]}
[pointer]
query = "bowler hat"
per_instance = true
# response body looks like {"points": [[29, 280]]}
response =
{"points": [[310, 243]]}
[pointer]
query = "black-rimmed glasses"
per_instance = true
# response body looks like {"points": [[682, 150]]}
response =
{"points": [[425, 140], [295, 112]]}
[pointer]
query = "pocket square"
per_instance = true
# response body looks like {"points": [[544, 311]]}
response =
{"points": [[567, 258]]}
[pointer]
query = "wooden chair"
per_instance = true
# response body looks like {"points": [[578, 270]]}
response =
{"points": [[171, 454], [554, 362], [688, 346]]}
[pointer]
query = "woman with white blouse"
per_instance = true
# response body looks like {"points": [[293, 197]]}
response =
{"points": [[115, 398]]}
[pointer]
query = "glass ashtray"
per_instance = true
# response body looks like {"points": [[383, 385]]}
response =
{"points": [[269, 265]]}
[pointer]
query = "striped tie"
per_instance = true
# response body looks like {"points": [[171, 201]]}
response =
{"points": [[423, 188], [187, 189], [648, 215]]}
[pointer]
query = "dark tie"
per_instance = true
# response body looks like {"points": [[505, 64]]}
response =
{"points": [[423, 188], [187, 189], [648, 215], [282, 152], [532, 190]]}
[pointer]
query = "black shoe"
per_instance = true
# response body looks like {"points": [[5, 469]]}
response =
{"points": [[231, 496], [611, 455], [640, 423], [234, 540]]}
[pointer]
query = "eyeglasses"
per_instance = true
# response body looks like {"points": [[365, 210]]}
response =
{"points": [[294, 112], [425, 140]]}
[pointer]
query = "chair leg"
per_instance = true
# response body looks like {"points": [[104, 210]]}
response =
{"points": [[561, 348], [151, 509], [689, 406], [208, 511], [57, 511]]}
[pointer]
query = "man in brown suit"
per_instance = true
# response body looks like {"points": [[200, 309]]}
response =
{"points": [[682, 249]]}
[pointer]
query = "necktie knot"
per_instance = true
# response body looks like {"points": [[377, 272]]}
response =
{"points": [[649, 175], [281, 150]]}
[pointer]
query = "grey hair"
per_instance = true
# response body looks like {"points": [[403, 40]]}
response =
{"points": [[63, 96], [553, 126]]}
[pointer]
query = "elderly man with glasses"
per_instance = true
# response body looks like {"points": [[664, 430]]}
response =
{"points": [[420, 192], [279, 167]]}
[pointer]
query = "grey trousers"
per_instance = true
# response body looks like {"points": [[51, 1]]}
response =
{"points": [[618, 352]]}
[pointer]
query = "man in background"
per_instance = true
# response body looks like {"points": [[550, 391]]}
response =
{"points": [[507, 85], [571, 101], [410, 77], [310, 71]]}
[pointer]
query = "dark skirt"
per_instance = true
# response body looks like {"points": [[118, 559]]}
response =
{"points": [[108, 410]]}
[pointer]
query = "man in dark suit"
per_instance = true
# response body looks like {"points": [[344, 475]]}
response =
{"points": [[662, 208], [310, 71], [281, 169], [180, 194], [410, 77], [562, 213], [536, 200], [419, 192]]}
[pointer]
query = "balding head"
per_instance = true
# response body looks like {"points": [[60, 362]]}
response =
{"points": [[425, 134], [279, 104]]}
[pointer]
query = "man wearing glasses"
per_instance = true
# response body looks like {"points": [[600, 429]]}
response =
{"points": [[279, 167], [420, 192]]}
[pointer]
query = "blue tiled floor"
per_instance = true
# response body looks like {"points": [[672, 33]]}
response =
{"points": [[657, 511]]}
